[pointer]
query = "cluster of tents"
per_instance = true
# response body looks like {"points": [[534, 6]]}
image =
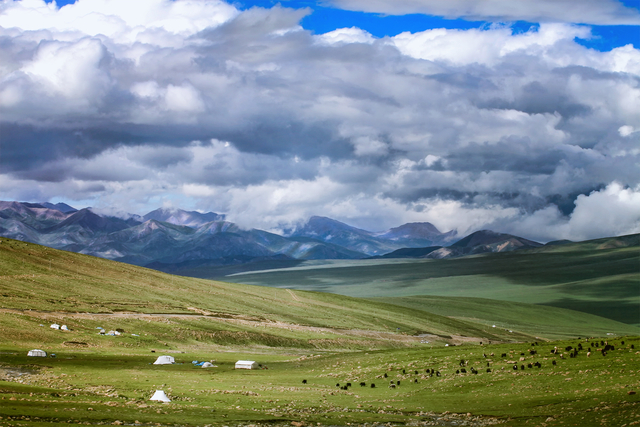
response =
{"points": [[160, 395]]}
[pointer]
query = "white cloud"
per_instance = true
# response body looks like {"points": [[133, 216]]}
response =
{"points": [[345, 36], [485, 47], [612, 211], [598, 12], [183, 98], [626, 130], [121, 20]]}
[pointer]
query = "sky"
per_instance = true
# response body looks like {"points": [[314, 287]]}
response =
{"points": [[521, 117]]}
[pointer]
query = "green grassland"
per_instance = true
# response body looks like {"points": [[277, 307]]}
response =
{"points": [[106, 387], [597, 277], [322, 338]]}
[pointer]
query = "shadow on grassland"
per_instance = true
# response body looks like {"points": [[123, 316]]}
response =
{"points": [[620, 311]]}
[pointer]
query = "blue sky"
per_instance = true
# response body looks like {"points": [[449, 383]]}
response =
{"points": [[466, 114]]}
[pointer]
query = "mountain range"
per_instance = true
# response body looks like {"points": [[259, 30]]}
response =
{"points": [[171, 239]]}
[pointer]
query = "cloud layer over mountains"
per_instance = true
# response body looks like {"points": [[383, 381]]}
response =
{"points": [[204, 106]]}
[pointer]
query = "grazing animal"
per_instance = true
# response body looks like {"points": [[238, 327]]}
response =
{"points": [[462, 362], [348, 384], [416, 372], [457, 371], [338, 385], [437, 373], [588, 354], [621, 342], [392, 386], [488, 370], [529, 366], [398, 382], [515, 367], [464, 371], [568, 348], [363, 384], [385, 375], [403, 371], [504, 355], [554, 363], [373, 385], [522, 367], [304, 381], [632, 346], [415, 381]]}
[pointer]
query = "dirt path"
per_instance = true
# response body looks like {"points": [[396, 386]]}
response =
{"points": [[293, 295]]}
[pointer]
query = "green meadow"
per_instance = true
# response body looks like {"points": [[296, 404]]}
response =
{"points": [[600, 277], [306, 342]]}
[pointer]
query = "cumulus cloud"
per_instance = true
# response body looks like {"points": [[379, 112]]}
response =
{"points": [[596, 12], [612, 211], [202, 106]]}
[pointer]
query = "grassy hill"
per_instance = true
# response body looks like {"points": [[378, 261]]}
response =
{"points": [[600, 277], [41, 285]]}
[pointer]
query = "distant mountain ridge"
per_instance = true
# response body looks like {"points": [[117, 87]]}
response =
{"points": [[167, 239], [170, 237], [408, 235]]}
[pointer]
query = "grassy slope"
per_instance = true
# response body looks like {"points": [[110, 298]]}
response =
{"points": [[42, 279], [526, 318], [594, 277]]}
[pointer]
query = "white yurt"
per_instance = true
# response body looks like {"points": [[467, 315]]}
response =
{"points": [[37, 353], [164, 360], [55, 326], [160, 396], [246, 364]]}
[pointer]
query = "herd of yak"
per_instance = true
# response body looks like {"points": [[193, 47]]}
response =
{"points": [[601, 347]]}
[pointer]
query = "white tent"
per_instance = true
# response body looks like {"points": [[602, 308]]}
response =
{"points": [[164, 360], [246, 364], [64, 328], [55, 326], [37, 353], [159, 395], [208, 365]]}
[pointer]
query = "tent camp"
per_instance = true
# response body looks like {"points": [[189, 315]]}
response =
{"points": [[164, 360], [37, 353], [246, 364], [160, 396]]}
